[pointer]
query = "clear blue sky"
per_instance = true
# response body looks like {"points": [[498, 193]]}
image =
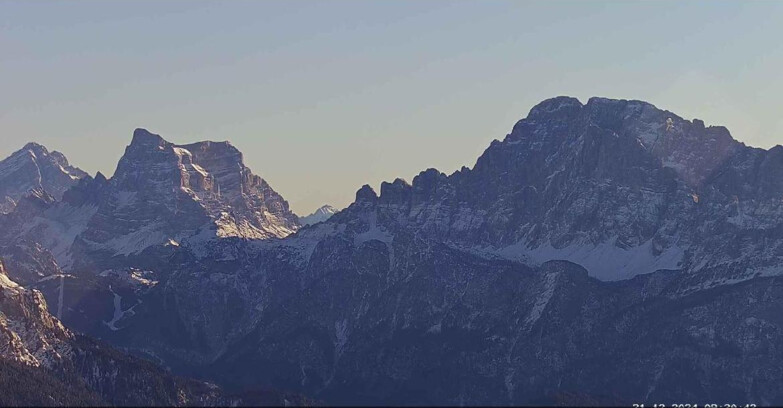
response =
{"points": [[323, 97]]}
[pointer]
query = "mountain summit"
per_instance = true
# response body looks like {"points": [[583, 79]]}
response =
{"points": [[620, 187], [204, 177], [161, 194], [321, 214], [34, 167]]}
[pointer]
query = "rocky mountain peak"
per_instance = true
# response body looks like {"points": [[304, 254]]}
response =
{"points": [[557, 106], [100, 177], [34, 148], [160, 195], [214, 169], [87, 192], [694, 151], [430, 183], [398, 191], [143, 137], [323, 213], [325, 209], [366, 195], [162, 191], [35, 167]]}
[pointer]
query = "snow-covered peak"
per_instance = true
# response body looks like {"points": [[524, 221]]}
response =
{"points": [[321, 214], [326, 209], [35, 148]]}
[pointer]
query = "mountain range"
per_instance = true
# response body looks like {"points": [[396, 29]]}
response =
{"points": [[606, 252]]}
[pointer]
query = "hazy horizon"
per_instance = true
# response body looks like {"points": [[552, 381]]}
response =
{"points": [[323, 98]]}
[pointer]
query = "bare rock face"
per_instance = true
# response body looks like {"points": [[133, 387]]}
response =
{"points": [[35, 168], [190, 186], [28, 333]]}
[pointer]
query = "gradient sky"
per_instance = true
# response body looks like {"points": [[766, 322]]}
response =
{"points": [[324, 97]]}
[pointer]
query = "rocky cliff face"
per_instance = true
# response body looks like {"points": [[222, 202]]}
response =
{"points": [[35, 168], [30, 335], [205, 179], [161, 191]]}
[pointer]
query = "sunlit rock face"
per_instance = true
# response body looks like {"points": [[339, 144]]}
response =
{"points": [[35, 168], [28, 333], [160, 195], [191, 185]]}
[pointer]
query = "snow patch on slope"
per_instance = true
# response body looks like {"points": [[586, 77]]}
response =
{"points": [[139, 240], [57, 228], [133, 277], [118, 312], [542, 301], [605, 261]]}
